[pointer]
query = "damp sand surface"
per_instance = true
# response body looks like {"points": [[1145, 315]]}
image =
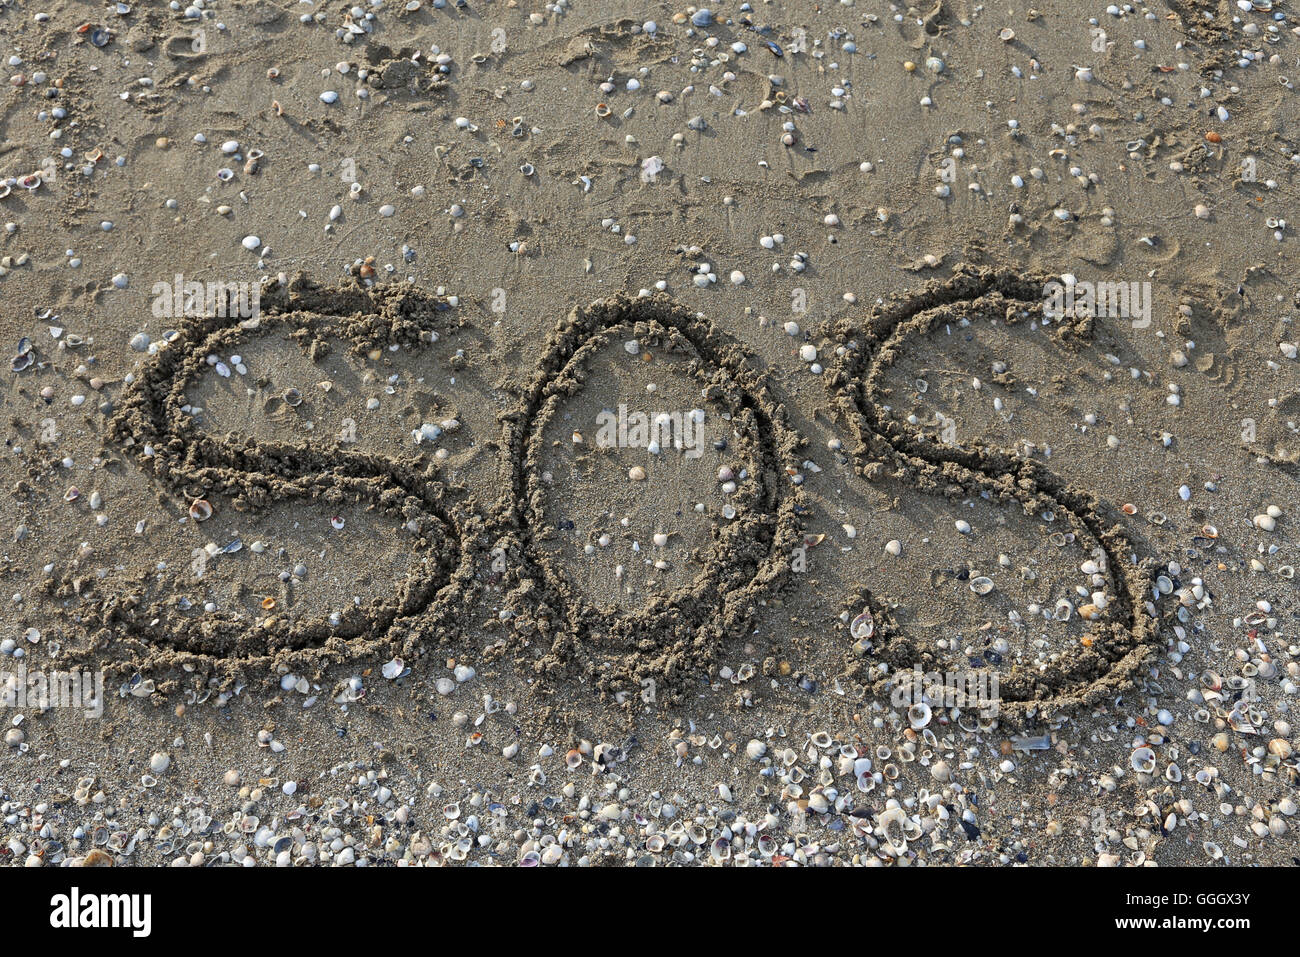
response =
{"points": [[308, 449]]}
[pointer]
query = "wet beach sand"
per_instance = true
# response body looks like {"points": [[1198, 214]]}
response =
{"points": [[512, 433]]}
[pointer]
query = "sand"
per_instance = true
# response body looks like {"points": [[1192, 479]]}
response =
{"points": [[359, 535]]}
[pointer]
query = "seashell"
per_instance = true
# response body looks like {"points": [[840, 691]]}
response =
{"points": [[890, 824], [1173, 773], [1240, 723], [821, 739], [137, 687], [1006, 34], [573, 759], [292, 398], [1143, 760], [1280, 747], [200, 510], [1212, 850], [72, 494], [602, 109], [922, 386], [1063, 610], [981, 585], [918, 715], [863, 626]]}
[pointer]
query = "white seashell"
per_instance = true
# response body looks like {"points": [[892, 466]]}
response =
{"points": [[918, 715], [1143, 760], [890, 825], [863, 626]]}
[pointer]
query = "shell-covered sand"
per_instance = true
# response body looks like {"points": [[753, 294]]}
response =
{"points": [[320, 317]]}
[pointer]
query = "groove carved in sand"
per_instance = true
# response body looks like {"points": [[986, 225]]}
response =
{"points": [[1124, 636], [670, 637], [153, 426]]}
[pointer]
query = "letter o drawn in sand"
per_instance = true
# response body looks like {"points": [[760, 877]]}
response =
{"points": [[667, 638]]}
